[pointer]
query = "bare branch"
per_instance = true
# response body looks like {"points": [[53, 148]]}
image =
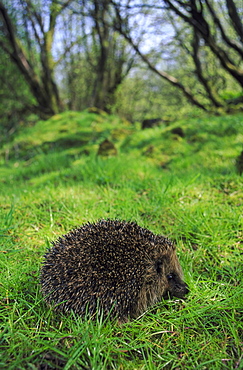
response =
{"points": [[235, 18], [199, 23], [31, 11], [205, 81], [231, 43], [172, 80]]}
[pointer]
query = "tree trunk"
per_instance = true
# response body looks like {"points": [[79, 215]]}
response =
{"points": [[109, 71], [42, 85], [211, 93]]}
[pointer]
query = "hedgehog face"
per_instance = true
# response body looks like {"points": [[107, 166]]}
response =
{"points": [[170, 273], [164, 277]]}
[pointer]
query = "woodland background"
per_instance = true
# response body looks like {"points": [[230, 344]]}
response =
{"points": [[79, 80], [136, 58]]}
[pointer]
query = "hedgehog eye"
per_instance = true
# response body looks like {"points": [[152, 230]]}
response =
{"points": [[170, 276]]}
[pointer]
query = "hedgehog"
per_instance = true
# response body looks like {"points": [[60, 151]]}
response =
{"points": [[111, 266]]}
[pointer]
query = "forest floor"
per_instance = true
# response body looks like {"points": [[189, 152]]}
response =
{"points": [[181, 183]]}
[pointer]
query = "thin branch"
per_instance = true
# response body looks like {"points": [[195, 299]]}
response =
{"points": [[235, 18], [66, 51], [229, 42], [31, 11], [204, 81], [200, 24], [172, 80]]}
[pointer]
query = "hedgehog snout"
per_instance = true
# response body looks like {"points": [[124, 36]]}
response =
{"points": [[180, 290], [177, 287]]}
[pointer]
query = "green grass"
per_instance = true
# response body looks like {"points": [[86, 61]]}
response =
{"points": [[186, 188]]}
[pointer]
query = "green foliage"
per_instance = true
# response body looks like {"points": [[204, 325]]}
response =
{"points": [[183, 187], [229, 94], [145, 96], [15, 95], [70, 133]]}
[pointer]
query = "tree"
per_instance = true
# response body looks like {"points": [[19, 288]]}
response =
{"points": [[32, 53], [199, 33], [227, 50], [40, 39], [15, 97], [101, 58], [127, 34]]}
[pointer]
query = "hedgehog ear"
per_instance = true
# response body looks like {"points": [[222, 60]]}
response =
{"points": [[159, 264]]}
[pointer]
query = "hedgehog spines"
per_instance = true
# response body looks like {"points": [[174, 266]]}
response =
{"points": [[116, 264]]}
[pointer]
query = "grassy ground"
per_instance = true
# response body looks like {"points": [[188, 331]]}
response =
{"points": [[185, 187]]}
